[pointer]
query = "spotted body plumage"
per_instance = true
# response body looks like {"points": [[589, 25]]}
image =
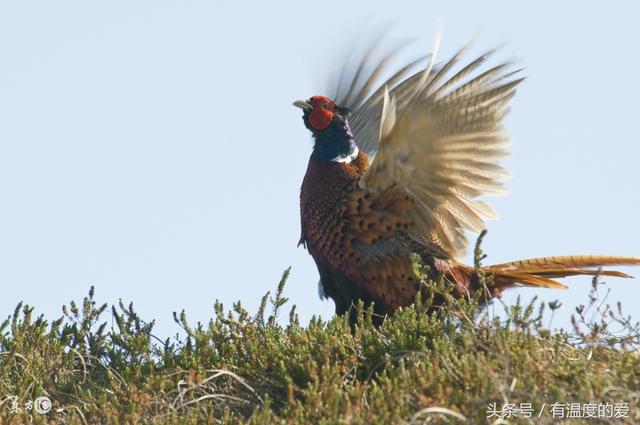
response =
{"points": [[351, 237]]}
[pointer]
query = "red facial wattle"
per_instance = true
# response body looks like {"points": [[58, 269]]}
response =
{"points": [[322, 113], [320, 118]]}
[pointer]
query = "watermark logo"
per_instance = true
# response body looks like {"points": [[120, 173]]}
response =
{"points": [[41, 405]]}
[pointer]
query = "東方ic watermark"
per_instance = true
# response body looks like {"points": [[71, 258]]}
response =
{"points": [[41, 405], [559, 410]]}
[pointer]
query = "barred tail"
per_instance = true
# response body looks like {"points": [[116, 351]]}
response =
{"points": [[541, 272]]}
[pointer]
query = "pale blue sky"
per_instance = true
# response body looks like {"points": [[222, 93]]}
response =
{"points": [[150, 148]]}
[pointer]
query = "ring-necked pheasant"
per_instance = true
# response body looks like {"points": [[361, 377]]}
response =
{"points": [[437, 140]]}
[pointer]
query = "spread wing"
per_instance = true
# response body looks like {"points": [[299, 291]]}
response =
{"points": [[360, 84], [438, 137]]}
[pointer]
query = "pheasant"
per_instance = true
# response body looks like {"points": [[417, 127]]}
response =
{"points": [[395, 170]]}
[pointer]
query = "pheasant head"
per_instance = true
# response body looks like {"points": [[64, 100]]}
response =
{"points": [[330, 129]]}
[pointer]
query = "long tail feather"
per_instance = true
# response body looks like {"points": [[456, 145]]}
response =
{"points": [[540, 271], [535, 265], [506, 279]]}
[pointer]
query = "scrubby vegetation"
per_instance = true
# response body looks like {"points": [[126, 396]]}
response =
{"points": [[454, 365]]}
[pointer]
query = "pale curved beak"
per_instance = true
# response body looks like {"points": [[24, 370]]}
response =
{"points": [[303, 104]]}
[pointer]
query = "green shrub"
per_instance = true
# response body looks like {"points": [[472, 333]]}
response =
{"points": [[447, 366]]}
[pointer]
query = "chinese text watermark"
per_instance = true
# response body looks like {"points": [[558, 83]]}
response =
{"points": [[41, 405], [559, 410]]}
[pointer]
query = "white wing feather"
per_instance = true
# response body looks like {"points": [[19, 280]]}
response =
{"points": [[435, 137], [440, 142]]}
